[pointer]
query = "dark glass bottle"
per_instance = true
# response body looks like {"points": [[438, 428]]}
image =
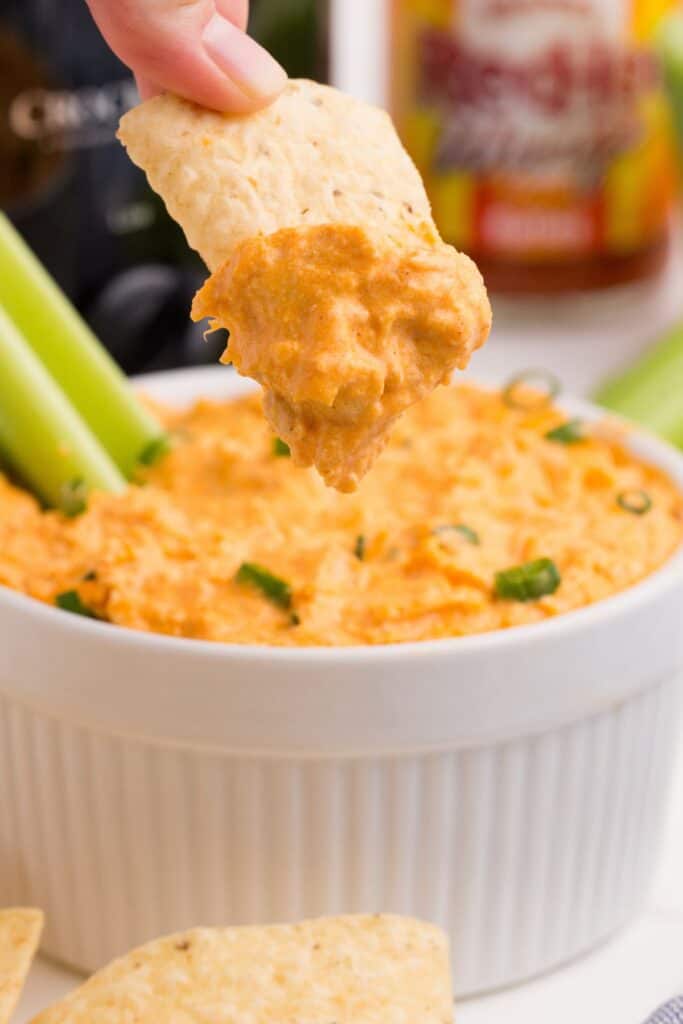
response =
{"points": [[69, 187], [296, 33]]}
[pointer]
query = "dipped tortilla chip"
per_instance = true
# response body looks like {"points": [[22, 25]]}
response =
{"points": [[339, 295], [346, 970], [315, 156], [20, 930]]}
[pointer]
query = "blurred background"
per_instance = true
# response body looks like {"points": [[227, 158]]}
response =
{"points": [[548, 135], [69, 187]]}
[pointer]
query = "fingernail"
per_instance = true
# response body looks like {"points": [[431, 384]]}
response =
{"points": [[241, 58]]}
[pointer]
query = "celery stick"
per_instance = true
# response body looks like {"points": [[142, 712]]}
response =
{"points": [[41, 434], [651, 391], [669, 41], [65, 344]]}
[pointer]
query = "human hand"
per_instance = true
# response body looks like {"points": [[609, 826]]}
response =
{"points": [[195, 48]]}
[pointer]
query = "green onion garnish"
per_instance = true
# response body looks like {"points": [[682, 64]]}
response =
{"points": [[153, 451], [275, 589], [359, 547], [636, 502], [70, 601], [280, 449], [571, 432], [89, 576], [73, 499], [542, 381], [470, 535], [529, 581]]}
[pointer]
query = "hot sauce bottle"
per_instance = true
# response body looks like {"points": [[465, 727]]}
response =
{"points": [[543, 133]]}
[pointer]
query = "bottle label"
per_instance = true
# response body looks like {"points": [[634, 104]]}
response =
{"points": [[540, 126], [62, 119]]}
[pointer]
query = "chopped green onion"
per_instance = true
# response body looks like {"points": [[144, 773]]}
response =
{"points": [[571, 432], [636, 502], [359, 547], [74, 498], [89, 576], [294, 619], [155, 450], [71, 354], [470, 535], [275, 589], [541, 381], [280, 449], [528, 582], [70, 601], [42, 437]]}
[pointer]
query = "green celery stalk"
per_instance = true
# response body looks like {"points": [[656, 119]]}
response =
{"points": [[669, 41], [651, 391], [86, 373], [41, 434]]}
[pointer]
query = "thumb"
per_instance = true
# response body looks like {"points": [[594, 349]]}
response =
{"points": [[188, 47]]}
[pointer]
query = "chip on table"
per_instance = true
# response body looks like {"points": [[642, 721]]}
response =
{"points": [[20, 930], [356, 309], [347, 970]]}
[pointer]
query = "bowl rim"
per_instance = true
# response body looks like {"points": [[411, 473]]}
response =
{"points": [[217, 381]]}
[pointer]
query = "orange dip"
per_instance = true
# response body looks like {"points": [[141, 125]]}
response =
{"points": [[345, 331], [466, 487]]}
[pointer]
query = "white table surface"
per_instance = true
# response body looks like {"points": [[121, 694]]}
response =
{"points": [[581, 340]]}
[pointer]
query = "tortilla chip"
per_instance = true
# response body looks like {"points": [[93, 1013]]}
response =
{"points": [[315, 156], [356, 308], [20, 931], [346, 970]]}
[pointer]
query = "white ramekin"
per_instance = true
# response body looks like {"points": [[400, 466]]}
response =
{"points": [[508, 786]]}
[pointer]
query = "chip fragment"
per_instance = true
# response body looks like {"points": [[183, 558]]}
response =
{"points": [[350, 970], [20, 930]]}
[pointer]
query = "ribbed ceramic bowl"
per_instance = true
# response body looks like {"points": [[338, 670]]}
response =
{"points": [[508, 786]]}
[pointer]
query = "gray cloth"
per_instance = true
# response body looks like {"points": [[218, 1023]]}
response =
{"points": [[670, 1013]]}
